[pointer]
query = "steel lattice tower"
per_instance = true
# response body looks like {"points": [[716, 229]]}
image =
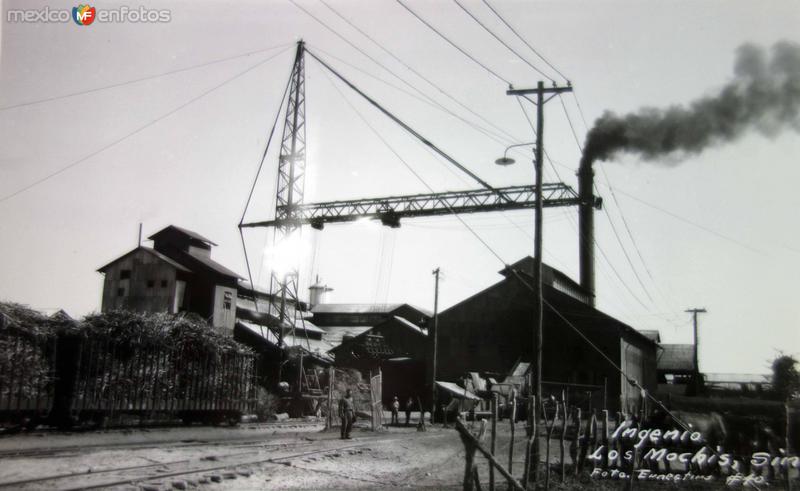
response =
{"points": [[291, 178]]}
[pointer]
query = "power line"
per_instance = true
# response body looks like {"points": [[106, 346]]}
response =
{"points": [[142, 79], [596, 244], [694, 224], [266, 149], [418, 74], [524, 41], [384, 67], [406, 127], [605, 209], [614, 197], [451, 43], [134, 132], [513, 271], [411, 169], [357, 48], [503, 42], [493, 136]]}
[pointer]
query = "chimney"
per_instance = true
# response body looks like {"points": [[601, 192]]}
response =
{"points": [[588, 202], [317, 293]]}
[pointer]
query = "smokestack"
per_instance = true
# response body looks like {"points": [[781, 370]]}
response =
{"points": [[586, 227], [317, 293], [763, 95]]}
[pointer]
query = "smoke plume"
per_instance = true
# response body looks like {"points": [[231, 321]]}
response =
{"points": [[764, 95]]}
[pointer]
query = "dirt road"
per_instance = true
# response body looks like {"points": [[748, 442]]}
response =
{"points": [[288, 456]]}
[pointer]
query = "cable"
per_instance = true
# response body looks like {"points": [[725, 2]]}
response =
{"points": [[451, 43], [694, 224], [134, 81], [135, 132], [252, 189], [418, 74], [503, 42], [266, 148], [571, 126], [605, 209], [575, 228], [408, 128], [493, 136], [411, 169], [357, 48], [619, 209], [526, 42], [513, 271]]}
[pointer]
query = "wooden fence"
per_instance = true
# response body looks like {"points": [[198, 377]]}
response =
{"points": [[61, 379]]}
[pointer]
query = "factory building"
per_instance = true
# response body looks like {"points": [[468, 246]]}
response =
{"points": [[492, 330], [176, 275]]}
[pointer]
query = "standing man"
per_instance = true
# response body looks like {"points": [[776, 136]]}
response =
{"points": [[347, 412], [395, 411], [409, 406]]}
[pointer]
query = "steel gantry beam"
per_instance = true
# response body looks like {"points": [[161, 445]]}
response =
{"points": [[391, 209]]}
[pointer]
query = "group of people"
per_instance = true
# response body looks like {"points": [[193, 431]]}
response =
{"points": [[347, 412], [396, 410]]}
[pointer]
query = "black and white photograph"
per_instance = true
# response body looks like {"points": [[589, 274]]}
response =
{"points": [[399, 244]]}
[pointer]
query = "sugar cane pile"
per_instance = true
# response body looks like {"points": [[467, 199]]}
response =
{"points": [[25, 355], [124, 360]]}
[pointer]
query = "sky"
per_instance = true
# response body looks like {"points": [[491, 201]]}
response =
{"points": [[79, 173]]}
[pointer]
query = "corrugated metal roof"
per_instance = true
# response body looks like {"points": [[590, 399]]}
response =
{"points": [[335, 334], [264, 311], [410, 325], [457, 391], [188, 233], [652, 334], [676, 357], [355, 308], [364, 308], [738, 378], [316, 346], [153, 252], [213, 265]]}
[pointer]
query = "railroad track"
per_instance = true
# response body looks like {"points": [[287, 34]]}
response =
{"points": [[212, 468], [67, 449]]}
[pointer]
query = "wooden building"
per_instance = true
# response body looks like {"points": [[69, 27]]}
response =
{"points": [[176, 275], [492, 330], [371, 337], [396, 347]]}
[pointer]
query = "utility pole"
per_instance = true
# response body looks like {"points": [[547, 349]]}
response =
{"points": [[694, 313], [435, 334], [540, 91]]}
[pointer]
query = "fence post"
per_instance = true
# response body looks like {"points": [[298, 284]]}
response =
{"points": [[563, 437], [472, 444], [513, 419], [549, 427], [493, 447], [331, 375], [530, 465], [788, 443], [578, 441]]}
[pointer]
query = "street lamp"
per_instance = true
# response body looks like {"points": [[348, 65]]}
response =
{"points": [[535, 399], [505, 159]]}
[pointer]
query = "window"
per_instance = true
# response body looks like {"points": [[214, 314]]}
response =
{"points": [[164, 283], [151, 283], [120, 292], [124, 274], [227, 300]]}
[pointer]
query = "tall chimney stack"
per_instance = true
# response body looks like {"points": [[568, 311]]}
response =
{"points": [[586, 227]]}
